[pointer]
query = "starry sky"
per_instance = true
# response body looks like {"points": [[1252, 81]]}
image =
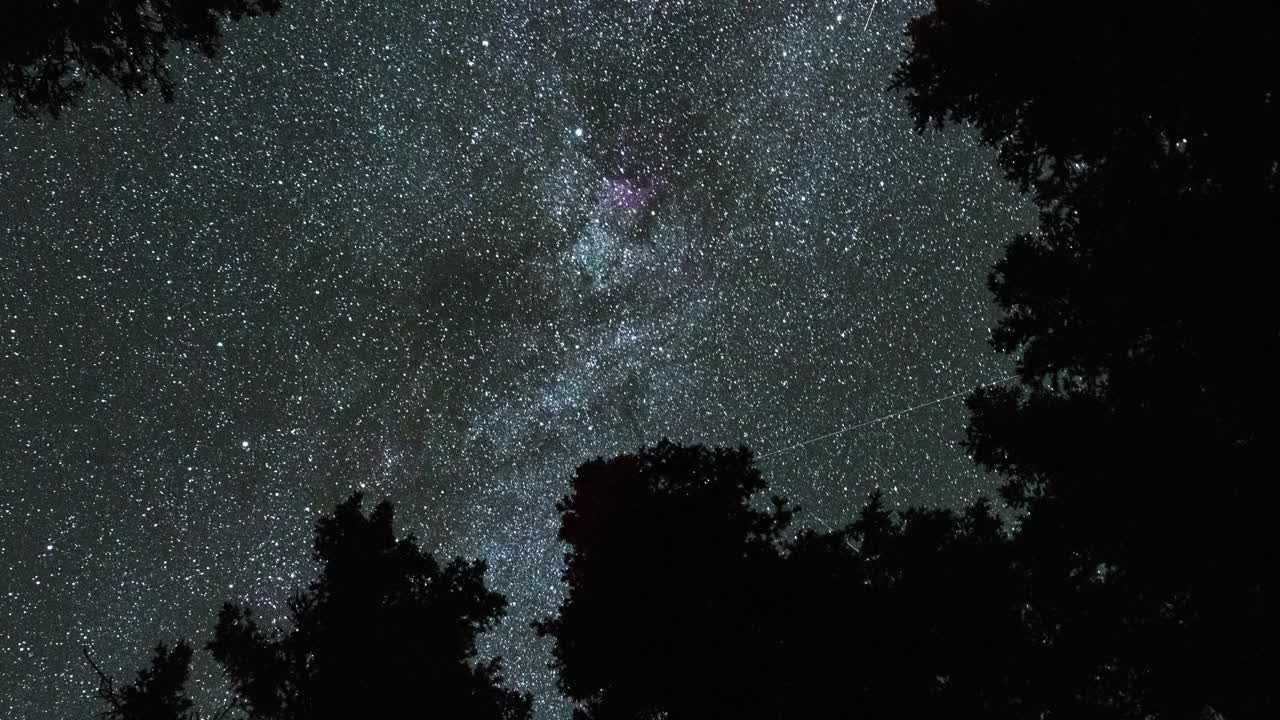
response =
{"points": [[445, 251]]}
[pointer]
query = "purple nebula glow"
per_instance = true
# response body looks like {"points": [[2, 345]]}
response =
{"points": [[634, 194]]}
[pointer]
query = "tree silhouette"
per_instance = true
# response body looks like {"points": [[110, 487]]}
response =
{"points": [[663, 545], [915, 614], [385, 631], [1123, 85], [51, 49], [684, 600], [158, 693], [1142, 314]]}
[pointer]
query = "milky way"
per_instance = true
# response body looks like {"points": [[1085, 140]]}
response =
{"points": [[444, 252]]}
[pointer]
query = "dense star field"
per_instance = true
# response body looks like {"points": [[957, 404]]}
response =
{"points": [[445, 251]]}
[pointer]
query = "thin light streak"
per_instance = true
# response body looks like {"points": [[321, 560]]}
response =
{"points": [[869, 14], [882, 418]]}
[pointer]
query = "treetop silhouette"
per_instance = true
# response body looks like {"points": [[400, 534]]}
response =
{"points": [[667, 520], [1066, 90], [158, 692], [1142, 314], [51, 49], [687, 600], [385, 631]]}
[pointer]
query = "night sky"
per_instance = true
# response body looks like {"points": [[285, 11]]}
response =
{"points": [[444, 252]]}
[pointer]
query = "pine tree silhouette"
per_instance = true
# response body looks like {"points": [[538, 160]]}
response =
{"points": [[158, 693], [385, 631]]}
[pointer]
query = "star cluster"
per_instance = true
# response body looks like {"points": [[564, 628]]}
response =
{"points": [[444, 251]]}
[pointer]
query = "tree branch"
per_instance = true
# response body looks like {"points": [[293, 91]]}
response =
{"points": [[106, 685]]}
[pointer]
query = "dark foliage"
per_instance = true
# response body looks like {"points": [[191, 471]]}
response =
{"points": [[910, 615], [159, 692], [1144, 319], [385, 631], [1064, 90], [684, 601], [661, 575], [50, 49]]}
